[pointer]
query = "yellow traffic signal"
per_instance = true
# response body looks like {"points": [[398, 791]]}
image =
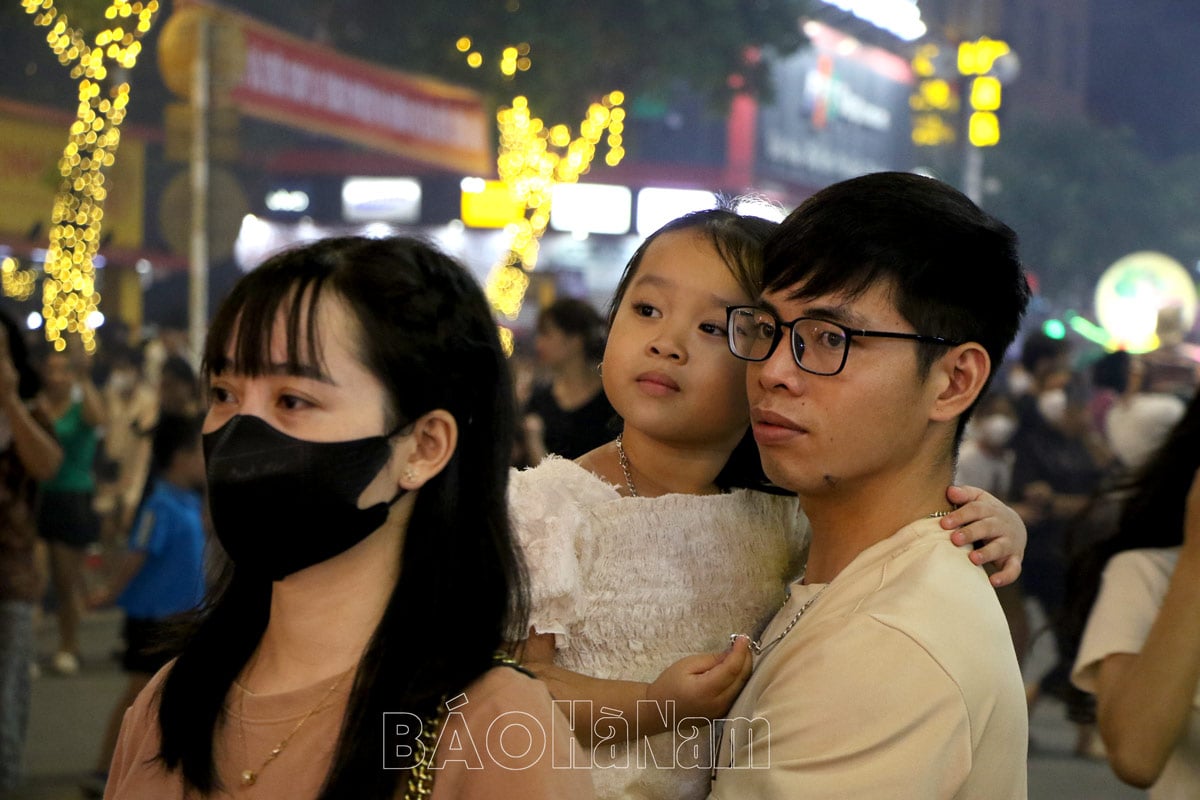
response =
{"points": [[977, 58], [983, 129], [985, 93]]}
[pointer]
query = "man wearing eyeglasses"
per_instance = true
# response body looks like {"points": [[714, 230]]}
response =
{"points": [[889, 672]]}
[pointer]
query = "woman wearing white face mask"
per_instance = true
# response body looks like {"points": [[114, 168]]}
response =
{"points": [[986, 459]]}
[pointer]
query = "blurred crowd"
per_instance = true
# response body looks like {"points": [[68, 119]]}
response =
{"points": [[1062, 437], [89, 445]]}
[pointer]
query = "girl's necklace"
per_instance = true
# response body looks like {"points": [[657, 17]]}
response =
{"points": [[250, 776], [625, 466]]}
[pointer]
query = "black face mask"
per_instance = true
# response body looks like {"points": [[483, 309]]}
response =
{"points": [[281, 504]]}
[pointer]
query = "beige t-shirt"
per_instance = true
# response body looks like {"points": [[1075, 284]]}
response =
{"points": [[900, 680], [1135, 583], [521, 755]]}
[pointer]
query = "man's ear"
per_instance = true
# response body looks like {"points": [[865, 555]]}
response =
{"points": [[961, 375], [433, 437]]}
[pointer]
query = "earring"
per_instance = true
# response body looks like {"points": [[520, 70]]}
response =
{"points": [[410, 475], [600, 369]]}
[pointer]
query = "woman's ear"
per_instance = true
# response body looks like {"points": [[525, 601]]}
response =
{"points": [[963, 372], [433, 437]]}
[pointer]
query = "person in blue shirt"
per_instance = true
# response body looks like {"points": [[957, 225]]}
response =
{"points": [[161, 575]]}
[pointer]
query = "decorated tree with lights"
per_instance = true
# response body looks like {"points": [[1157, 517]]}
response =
{"points": [[100, 65]]}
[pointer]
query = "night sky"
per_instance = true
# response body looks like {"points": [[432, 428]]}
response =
{"points": [[1145, 71]]}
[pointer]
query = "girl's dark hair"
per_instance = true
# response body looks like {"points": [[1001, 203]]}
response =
{"points": [[1148, 509], [425, 330], [576, 317], [739, 241]]}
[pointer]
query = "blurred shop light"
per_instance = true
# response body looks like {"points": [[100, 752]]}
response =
{"points": [[899, 17], [1090, 330], [33, 321], [658, 206], [378, 230], [489, 204], [1054, 328], [381, 200], [288, 202], [95, 319], [1134, 291], [143, 266], [591, 208]]}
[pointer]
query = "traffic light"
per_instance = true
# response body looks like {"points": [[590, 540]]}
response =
{"points": [[934, 101], [977, 59]]}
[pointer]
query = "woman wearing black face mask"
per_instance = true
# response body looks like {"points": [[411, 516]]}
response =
{"points": [[357, 445]]}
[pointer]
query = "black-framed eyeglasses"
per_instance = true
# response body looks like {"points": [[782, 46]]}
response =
{"points": [[818, 345]]}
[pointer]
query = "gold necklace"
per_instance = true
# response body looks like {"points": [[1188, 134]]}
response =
{"points": [[250, 776]]}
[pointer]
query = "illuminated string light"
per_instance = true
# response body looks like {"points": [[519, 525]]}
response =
{"points": [[69, 294], [534, 157], [17, 283]]}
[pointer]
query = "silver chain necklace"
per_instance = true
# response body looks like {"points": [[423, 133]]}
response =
{"points": [[758, 647], [625, 466]]}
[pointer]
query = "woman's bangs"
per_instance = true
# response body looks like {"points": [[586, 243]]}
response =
{"points": [[246, 329]]}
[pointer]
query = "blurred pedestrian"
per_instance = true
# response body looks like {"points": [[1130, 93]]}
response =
{"points": [[1138, 420], [1056, 472], [569, 415], [161, 574], [131, 403], [1174, 366], [28, 453], [986, 460], [66, 517], [1141, 649]]}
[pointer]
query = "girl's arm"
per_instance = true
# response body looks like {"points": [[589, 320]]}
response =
{"points": [[980, 517], [1144, 699], [703, 685]]}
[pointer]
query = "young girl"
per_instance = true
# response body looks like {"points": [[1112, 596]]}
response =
{"points": [[667, 540], [357, 443]]}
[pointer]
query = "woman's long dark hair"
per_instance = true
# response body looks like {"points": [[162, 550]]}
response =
{"points": [[1149, 513], [738, 240], [427, 333]]}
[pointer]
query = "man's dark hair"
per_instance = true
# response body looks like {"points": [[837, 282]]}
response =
{"points": [[953, 270]]}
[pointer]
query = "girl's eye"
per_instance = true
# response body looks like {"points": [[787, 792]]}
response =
{"points": [[645, 310], [713, 329]]}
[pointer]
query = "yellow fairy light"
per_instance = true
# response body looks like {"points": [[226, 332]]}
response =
{"points": [[69, 294], [17, 283]]}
